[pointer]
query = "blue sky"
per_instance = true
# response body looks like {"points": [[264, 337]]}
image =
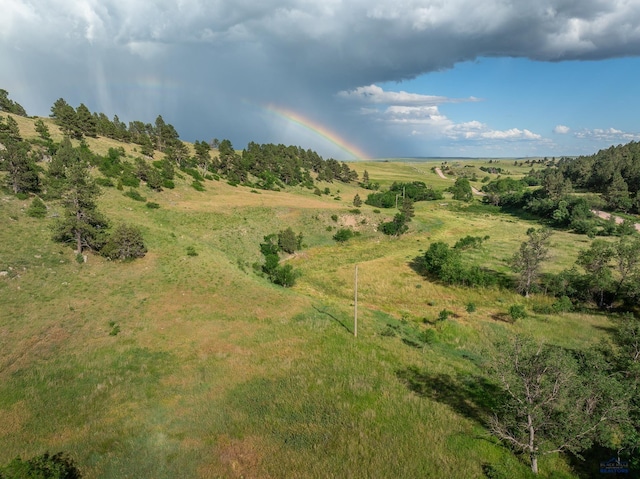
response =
{"points": [[576, 107], [400, 78]]}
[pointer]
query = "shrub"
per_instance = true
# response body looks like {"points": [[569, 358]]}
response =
{"points": [[104, 182], [195, 174], [191, 251], [125, 243], [37, 209], [285, 276], [342, 235], [334, 217], [444, 315], [197, 185], [471, 307], [129, 179], [57, 466], [517, 311], [468, 242], [563, 305], [134, 195], [115, 328], [169, 184], [152, 206]]}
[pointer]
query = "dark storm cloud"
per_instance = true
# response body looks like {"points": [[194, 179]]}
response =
{"points": [[206, 65]]}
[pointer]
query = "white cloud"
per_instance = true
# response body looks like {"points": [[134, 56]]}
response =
{"points": [[475, 130], [375, 94], [419, 115], [561, 129], [607, 134], [297, 52]]}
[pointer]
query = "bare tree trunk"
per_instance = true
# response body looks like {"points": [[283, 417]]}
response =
{"points": [[532, 445], [534, 463]]}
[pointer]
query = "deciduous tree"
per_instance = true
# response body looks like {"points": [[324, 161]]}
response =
{"points": [[554, 400], [529, 258]]}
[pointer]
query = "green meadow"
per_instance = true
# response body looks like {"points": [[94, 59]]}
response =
{"points": [[195, 366]]}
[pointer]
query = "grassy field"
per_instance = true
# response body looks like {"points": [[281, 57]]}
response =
{"points": [[195, 366]]}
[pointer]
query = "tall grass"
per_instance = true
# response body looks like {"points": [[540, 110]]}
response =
{"points": [[214, 372]]}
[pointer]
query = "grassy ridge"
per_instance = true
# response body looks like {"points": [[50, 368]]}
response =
{"points": [[217, 373]]}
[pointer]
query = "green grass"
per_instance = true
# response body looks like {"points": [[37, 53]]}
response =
{"points": [[215, 372]]}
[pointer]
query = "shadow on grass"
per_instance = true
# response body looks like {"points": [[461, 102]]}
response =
{"points": [[471, 396], [417, 264], [326, 313], [502, 317]]}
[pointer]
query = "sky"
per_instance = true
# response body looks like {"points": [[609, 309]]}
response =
{"points": [[350, 79]]}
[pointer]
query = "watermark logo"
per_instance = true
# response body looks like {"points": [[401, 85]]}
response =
{"points": [[614, 466]]}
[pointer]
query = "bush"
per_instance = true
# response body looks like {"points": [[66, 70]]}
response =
{"points": [[342, 235], [471, 307], [134, 195], [195, 174], [563, 305], [168, 184], [468, 242], [191, 251], [125, 243], [334, 217], [129, 179], [517, 311], [152, 206], [57, 466], [104, 182], [284, 276], [37, 209], [197, 185], [444, 315]]}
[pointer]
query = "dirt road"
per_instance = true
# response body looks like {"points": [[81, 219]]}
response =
{"points": [[605, 216]]}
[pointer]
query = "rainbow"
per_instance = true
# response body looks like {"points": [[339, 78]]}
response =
{"points": [[318, 129]]}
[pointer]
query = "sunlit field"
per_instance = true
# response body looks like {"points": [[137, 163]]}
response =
{"points": [[179, 365]]}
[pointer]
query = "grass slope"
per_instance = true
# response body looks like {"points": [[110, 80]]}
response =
{"points": [[214, 372]]}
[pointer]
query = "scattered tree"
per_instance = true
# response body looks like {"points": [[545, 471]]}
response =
{"points": [[81, 222], [10, 106], [342, 235], [553, 400], [124, 243], [37, 208], [288, 241], [462, 190], [528, 260], [595, 261]]}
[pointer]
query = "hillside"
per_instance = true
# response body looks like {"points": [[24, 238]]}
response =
{"points": [[189, 363]]}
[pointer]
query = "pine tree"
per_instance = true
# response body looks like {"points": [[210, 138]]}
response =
{"points": [[407, 208], [43, 130], [86, 122], [81, 223]]}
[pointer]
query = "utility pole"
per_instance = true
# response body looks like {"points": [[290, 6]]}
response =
{"points": [[355, 302]]}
